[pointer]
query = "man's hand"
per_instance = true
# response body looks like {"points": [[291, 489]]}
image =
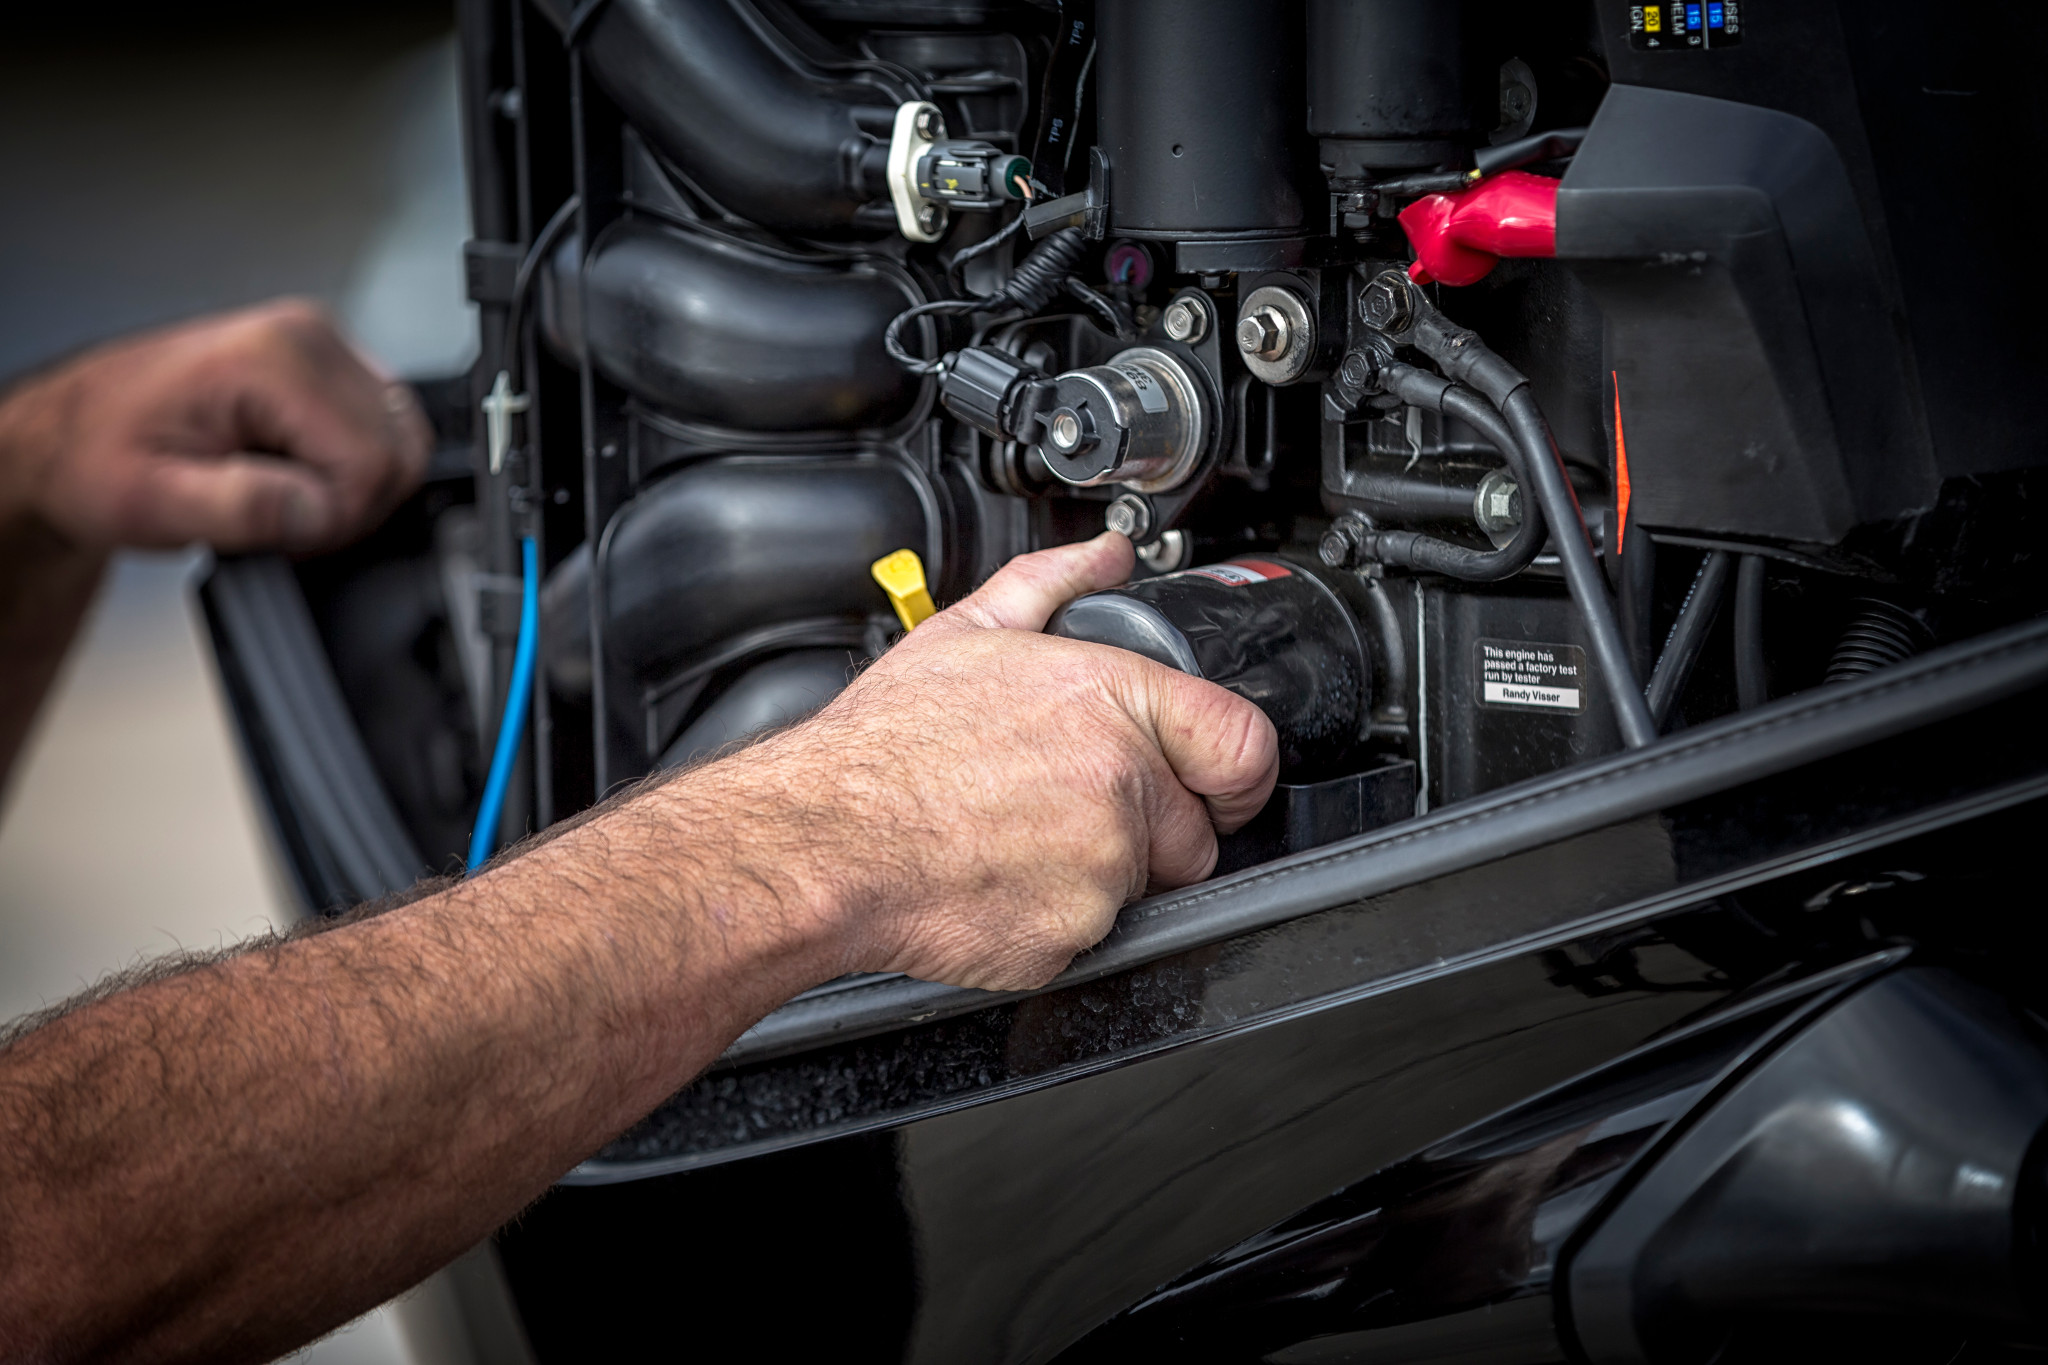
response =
{"points": [[985, 796], [262, 429], [227, 1162]]}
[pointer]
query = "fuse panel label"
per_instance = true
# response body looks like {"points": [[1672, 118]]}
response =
{"points": [[1529, 675], [1688, 26]]}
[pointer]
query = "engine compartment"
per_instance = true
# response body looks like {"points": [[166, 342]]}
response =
{"points": [[1484, 391]]}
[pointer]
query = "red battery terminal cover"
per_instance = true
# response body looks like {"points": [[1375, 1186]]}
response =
{"points": [[1458, 236]]}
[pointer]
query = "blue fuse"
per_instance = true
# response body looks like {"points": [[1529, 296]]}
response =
{"points": [[1692, 17], [1715, 18]]}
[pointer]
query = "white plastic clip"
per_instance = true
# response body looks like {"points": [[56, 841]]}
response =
{"points": [[499, 405], [906, 145]]}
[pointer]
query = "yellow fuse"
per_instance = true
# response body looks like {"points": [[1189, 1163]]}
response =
{"points": [[902, 577], [1653, 18]]}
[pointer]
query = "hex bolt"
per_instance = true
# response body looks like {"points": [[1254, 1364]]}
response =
{"points": [[929, 125], [1129, 514], [1343, 545], [930, 216], [1384, 303], [1359, 370], [1186, 320], [1264, 333]]}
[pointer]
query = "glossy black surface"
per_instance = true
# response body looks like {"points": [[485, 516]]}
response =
{"points": [[1868, 1181], [767, 134], [1477, 1219], [1032, 1221], [715, 331], [727, 562], [1060, 1158]]}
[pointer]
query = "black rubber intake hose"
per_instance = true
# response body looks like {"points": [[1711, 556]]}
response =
{"points": [[778, 144], [718, 332], [1466, 358], [1430, 554]]}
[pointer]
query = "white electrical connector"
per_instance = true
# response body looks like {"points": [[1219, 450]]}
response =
{"points": [[918, 125], [500, 405]]}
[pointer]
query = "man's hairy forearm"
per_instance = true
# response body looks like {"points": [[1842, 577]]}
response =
{"points": [[244, 1154], [223, 1163]]}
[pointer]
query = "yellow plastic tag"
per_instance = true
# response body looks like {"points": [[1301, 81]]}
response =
{"points": [[902, 577]]}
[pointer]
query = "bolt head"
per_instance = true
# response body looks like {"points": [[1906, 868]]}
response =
{"points": [[1334, 549], [929, 125], [929, 216], [1264, 334], [1384, 304], [1065, 430], [1357, 370], [1128, 516], [1185, 320]]}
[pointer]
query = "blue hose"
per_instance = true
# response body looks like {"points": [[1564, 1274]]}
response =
{"points": [[484, 840]]}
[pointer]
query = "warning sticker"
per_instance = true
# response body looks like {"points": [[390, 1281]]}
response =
{"points": [[1525, 673], [1238, 572]]}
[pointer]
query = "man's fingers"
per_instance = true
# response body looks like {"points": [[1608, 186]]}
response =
{"points": [[240, 502], [1220, 746], [1025, 593], [304, 391], [1183, 848]]}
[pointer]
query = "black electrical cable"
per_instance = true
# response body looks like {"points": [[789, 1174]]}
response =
{"points": [[1103, 306], [987, 244], [893, 344], [1465, 357], [580, 20], [1042, 271], [1555, 145], [1582, 574], [1688, 635], [1752, 683], [1045, 269], [1414, 549], [522, 283]]}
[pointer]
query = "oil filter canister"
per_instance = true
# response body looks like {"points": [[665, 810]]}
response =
{"points": [[1269, 630]]}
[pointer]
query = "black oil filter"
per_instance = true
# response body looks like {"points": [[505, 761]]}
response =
{"points": [[1269, 630]]}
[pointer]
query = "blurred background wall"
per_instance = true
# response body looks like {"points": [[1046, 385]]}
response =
{"points": [[157, 162]]}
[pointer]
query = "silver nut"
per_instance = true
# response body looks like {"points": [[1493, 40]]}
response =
{"points": [[1497, 506], [929, 125], [1185, 320], [1264, 334], [1065, 431], [930, 216], [1130, 516]]}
